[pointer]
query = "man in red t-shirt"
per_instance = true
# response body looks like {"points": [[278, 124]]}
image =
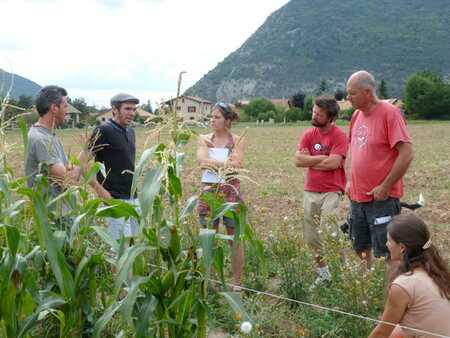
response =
{"points": [[322, 150], [379, 155]]}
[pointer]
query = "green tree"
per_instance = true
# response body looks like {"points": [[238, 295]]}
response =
{"points": [[427, 96], [298, 100], [80, 104], [346, 114], [25, 101], [432, 76], [293, 114], [306, 114], [147, 106], [382, 90], [93, 109], [340, 94], [258, 106], [243, 117], [323, 87]]}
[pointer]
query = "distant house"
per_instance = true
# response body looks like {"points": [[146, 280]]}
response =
{"points": [[105, 116], [191, 108], [73, 117], [242, 103], [282, 103], [344, 105], [396, 102]]}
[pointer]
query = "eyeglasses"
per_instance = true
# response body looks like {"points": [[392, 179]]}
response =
{"points": [[224, 107]]}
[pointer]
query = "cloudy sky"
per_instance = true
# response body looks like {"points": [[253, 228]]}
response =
{"points": [[96, 48]]}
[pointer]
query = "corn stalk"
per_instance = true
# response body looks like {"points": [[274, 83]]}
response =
{"points": [[61, 273]]}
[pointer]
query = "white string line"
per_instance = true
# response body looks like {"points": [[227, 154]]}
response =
{"points": [[327, 308], [319, 306]]}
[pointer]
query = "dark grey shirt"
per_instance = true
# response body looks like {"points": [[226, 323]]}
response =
{"points": [[43, 147]]}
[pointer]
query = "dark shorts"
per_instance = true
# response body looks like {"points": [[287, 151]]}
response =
{"points": [[227, 221], [368, 222]]}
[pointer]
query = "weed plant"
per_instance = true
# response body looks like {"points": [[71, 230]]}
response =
{"points": [[352, 288]]}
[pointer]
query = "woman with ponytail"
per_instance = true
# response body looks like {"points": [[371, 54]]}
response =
{"points": [[419, 294], [218, 153]]}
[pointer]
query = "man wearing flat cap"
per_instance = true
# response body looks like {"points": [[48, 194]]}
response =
{"points": [[113, 144]]}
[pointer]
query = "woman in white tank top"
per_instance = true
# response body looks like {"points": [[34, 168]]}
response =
{"points": [[218, 151]]}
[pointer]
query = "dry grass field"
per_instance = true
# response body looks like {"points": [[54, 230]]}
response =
{"points": [[274, 200]]}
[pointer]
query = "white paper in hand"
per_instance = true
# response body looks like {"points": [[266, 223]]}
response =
{"points": [[219, 154]]}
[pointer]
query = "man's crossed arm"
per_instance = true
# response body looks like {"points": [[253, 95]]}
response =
{"points": [[319, 162]]}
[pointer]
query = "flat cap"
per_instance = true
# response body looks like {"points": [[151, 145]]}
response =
{"points": [[122, 97]]}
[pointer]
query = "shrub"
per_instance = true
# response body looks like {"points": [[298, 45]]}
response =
{"points": [[427, 96], [298, 100], [243, 116], [258, 106], [293, 114], [351, 289], [277, 115], [340, 94], [307, 111], [346, 114], [305, 115]]}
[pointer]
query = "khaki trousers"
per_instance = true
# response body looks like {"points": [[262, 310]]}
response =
{"points": [[319, 215]]}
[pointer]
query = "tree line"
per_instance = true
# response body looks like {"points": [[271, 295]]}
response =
{"points": [[426, 96]]}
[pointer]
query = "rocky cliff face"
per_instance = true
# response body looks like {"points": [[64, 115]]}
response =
{"points": [[305, 42]]}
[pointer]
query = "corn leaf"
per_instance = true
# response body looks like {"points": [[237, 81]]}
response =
{"points": [[118, 209], [104, 235], [189, 207], [56, 258], [50, 302], [130, 300], [150, 188], [125, 264], [105, 318], [207, 244], [145, 157], [146, 315]]}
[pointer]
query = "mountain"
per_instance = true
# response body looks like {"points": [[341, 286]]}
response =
{"points": [[21, 85], [306, 42]]}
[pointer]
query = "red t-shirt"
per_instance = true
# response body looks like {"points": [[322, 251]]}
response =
{"points": [[372, 141], [333, 142]]}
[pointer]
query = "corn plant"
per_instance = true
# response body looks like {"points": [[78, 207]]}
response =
{"points": [[167, 295], [16, 277], [61, 273]]}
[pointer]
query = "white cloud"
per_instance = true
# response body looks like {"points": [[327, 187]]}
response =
{"points": [[104, 46]]}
